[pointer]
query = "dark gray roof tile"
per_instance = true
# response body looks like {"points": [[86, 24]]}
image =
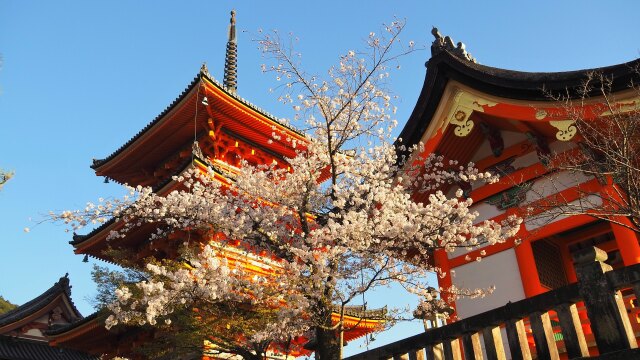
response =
{"points": [[12, 348]]}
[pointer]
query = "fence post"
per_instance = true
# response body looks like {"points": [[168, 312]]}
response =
{"points": [[574, 340], [517, 339], [493, 343], [605, 308], [471, 346]]}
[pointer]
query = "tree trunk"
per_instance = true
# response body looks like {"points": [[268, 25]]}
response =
{"points": [[328, 344]]}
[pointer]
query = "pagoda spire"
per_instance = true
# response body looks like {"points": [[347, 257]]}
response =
{"points": [[231, 58]]}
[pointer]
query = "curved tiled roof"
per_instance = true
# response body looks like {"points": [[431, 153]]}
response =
{"points": [[444, 66], [44, 299], [78, 239], [99, 162], [527, 85], [362, 312], [21, 349]]}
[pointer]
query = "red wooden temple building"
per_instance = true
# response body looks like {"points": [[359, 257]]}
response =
{"points": [[501, 120], [208, 127], [506, 123]]}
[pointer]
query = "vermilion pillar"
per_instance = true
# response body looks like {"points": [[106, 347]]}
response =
{"points": [[528, 270], [627, 241]]}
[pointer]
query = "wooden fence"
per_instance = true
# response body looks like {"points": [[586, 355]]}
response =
{"points": [[555, 321]]}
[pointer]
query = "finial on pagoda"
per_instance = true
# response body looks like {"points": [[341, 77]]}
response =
{"points": [[231, 59], [442, 43]]}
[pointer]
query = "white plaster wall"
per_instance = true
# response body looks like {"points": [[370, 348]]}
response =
{"points": [[511, 138], [501, 270], [462, 251], [525, 160], [485, 211], [551, 216], [531, 157], [554, 183]]}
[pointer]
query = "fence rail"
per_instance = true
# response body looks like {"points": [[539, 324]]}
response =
{"points": [[555, 322]]}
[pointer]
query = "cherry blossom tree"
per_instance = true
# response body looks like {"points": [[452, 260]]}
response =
{"points": [[341, 223], [4, 177]]}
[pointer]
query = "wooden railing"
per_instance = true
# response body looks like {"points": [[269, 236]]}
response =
{"points": [[587, 317]]}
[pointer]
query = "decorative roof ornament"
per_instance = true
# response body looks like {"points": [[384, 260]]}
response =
{"points": [[445, 43], [197, 151], [231, 59], [205, 70]]}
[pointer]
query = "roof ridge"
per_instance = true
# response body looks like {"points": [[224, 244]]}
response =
{"points": [[450, 54], [98, 162], [445, 43], [246, 102], [446, 66], [203, 73], [62, 286]]}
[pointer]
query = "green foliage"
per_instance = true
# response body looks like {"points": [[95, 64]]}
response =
{"points": [[224, 326], [108, 281], [6, 306]]}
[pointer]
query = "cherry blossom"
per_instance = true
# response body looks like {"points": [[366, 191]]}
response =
{"points": [[341, 223]]}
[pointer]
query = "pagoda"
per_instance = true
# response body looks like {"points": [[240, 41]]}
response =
{"points": [[210, 128], [506, 123]]}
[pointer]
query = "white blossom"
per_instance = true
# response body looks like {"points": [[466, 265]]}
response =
{"points": [[342, 221]]}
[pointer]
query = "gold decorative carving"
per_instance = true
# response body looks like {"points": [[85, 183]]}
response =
{"points": [[621, 107], [541, 114], [566, 129], [463, 124], [464, 104]]}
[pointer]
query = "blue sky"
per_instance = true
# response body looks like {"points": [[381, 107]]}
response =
{"points": [[79, 78]]}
